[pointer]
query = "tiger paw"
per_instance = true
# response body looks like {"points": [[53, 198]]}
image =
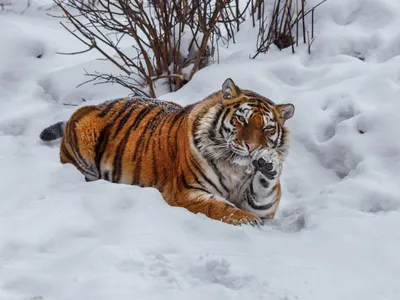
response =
{"points": [[241, 217], [268, 164], [265, 167]]}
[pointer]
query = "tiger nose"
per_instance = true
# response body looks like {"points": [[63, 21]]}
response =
{"points": [[251, 146]]}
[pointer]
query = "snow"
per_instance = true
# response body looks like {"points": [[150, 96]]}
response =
{"points": [[336, 235]]}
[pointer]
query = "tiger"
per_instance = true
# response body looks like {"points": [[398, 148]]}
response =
{"points": [[221, 156]]}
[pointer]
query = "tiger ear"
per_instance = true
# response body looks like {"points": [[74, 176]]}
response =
{"points": [[285, 111], [230, 89]]}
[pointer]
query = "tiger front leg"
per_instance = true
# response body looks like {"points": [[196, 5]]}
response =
{"points": [[217, 208], [263, 194], [268, 168]]}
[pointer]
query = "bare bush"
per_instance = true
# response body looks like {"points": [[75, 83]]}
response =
{"points": [[170, 40], [278, 26]]}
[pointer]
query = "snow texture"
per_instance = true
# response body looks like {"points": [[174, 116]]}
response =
{"points": [[336, 234]]}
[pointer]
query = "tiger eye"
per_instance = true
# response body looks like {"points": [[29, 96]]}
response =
{"points": [[241, 119]]}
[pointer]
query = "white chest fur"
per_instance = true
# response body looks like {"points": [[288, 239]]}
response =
{"points": [[236, 185], [234, 180]]}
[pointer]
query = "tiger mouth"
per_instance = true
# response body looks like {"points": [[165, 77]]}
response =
{"points": [[244, 150]]}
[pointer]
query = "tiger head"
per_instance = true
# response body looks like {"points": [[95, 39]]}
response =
{"points": [[242, 123]]}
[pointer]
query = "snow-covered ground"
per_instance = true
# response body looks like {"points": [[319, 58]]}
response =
{"points": [[337, 233]]}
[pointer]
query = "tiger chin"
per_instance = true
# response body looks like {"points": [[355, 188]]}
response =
{"points": [[221, 156]]}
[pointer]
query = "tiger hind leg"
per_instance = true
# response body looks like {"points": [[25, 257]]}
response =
{"points": [[69, 155], [79, 142]]}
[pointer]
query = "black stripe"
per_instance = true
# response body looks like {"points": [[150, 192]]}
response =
{"points": [[178, 116], [164, 180], [100, 147], [75, 148], [139, 145], [157, 125], [175, 148], [102, 141], [220, 177], [124, 108], [264, 183], [157, 119], [197, 140], [216, 117], [223, 121], [252, 104], [223, 127], [127, 116], [212, 136], [250, 197], [275, 142], [210, 207], [117, 171], [260, 103], [187, 186], [212, 131], [260, 207], [155, 169], [106, 175], [105, 111], [74, 139], [196, 178], [66, 153], [196, 165], [252, 188], [84, 171], [160, 129]]}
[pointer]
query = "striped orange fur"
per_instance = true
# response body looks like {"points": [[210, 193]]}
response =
{"points": [[221, 156]]}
